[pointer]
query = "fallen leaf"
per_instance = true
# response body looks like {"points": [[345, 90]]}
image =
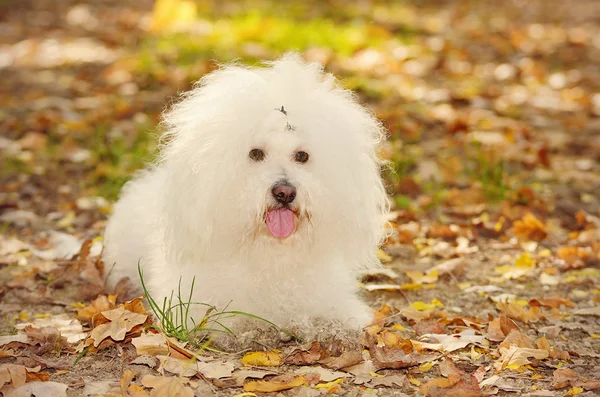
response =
{"points": [[518, 312], [518, 356], [544, 344], [100, 304], [64, 246], [239, 377], [422, 306], [564, 377], [167, 386], [215, 369], [325, 374], [279, 383], [178, 366], [588, 311], [120, 321], [458, 341], [556, 302], [37, 389], [456, 383], [417, 277], [523, 265], [262, 359], [151, 344], [530, 228], [69, 328]]}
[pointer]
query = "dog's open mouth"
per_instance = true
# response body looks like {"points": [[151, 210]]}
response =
{"points": [[281, 222]]}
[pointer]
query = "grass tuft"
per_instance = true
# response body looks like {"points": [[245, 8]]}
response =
{"points": [[176, 321]]}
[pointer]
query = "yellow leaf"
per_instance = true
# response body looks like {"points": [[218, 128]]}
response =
{"points": [[414, 381], [398, 327], [437, 303], [329, 385], [426, 366], [168, 13], [42, 315], [474, 354], [422, 306], [411, 287], [262, 359], [525, 261], [245, 394], [23, 316], [376, 375], [383, 257], [422, 278], [574, 391]]}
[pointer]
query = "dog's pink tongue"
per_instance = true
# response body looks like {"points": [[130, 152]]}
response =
{"points": [[280, 222]]}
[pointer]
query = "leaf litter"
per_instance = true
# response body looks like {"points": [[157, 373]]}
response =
{"points": [[489, 278]]}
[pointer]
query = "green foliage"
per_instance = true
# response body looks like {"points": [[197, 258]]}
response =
{"points": [[176, 320], [489, 170], [118, 157]]}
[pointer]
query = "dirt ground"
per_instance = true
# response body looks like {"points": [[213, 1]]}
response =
{"points": [[491, 280]]}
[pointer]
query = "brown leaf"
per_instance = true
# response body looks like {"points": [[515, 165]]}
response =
{"points": [[530, 228], [125, 381], [518, 312], [507, 325], [119, 322], [445, 232], [555, 302], [428, 327], [18, 375], [543, 344], [278, 383], [167, 386], [100, 304], [48, 338], [517, 338], [305, 357], [563, 377], [456, 384], [401, 353]]}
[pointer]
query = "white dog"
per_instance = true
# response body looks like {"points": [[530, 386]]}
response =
{"points": [[268, 192]]}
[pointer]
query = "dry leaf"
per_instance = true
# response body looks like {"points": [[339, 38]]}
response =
{"points": [[530, 228], [457, 383], [563, 377], [544, 344], [518, 312], [151, 344], [100, 304], [262, 359], [120, 321], [37, 389], [167, 386], [279, 383], [69, 328], [518, 356]]}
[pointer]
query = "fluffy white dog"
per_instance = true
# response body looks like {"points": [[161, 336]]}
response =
{"points": [[267, 191]]}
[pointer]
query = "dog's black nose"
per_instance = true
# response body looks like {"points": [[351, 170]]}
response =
{"points": [[284, 193]]}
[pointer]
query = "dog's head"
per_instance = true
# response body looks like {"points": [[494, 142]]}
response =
{"points": [[274, 158]]}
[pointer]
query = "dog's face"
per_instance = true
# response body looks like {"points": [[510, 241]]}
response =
{"points": [[279, 176], [262, 161]]}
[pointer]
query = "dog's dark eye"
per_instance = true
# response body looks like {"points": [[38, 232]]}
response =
{"points": [[256, 155], [301, 157]]}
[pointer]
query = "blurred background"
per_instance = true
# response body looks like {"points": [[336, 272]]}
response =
{"points": [[492, 107]]}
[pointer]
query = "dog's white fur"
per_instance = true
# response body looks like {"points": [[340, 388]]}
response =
{"points": [[200, 210]]}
